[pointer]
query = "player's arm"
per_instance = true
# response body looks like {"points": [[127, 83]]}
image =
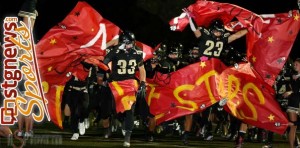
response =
{"points": [[109, 56], [112, 43], [142, 72], [108, 60], [237, 35], [28, 12], [197, 31]]}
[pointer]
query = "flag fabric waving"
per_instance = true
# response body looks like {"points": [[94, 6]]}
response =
{"points": [[251, 100], [203, 12], [272, 34], [179, 23], [269, 50], [82, 34], [147, 50], [200, 85], [124, 94], [185, 91]]}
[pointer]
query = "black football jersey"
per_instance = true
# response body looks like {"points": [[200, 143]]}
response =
{"points": [[210, 46], [124, 64]]}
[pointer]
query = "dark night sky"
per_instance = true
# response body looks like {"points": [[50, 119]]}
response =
{"points": [[150, 25]]}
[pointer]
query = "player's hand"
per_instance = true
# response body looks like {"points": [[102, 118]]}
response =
{"points": [[295, 77], [28, 9], [142, 85], [287, 94], [141, 93], [188, 13]]}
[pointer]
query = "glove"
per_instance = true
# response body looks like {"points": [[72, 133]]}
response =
{"points": [[141, 93], [28, 9], [142, 85], [223, 102]]}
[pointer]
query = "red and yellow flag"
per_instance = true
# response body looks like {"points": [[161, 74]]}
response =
{"points": [[200, 85], [83, 34], [185, 91], [124, 94]]}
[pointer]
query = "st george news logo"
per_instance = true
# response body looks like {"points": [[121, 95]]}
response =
{"points": [[20, 64]]}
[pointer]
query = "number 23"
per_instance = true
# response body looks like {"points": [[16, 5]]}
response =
{"points": [[208, 51]]}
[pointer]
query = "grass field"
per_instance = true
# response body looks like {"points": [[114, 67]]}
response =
{"points": [[47, 135]]}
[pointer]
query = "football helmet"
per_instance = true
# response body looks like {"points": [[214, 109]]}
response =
{"points": [[173, 52], [160, 52], [126, 40], [194, 52], [217, 25]]}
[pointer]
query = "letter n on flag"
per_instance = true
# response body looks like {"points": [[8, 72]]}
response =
{"points": [[82, 34]]}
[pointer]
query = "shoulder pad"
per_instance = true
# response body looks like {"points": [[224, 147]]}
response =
{"points": [[137, 48], [139, 52], [107, 50], [115, 50], [226, 35], [206, 31]]}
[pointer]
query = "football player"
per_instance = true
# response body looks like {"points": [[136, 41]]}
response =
{"points": [[212, 41], [126, 58]]}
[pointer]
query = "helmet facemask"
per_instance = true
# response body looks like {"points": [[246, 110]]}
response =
{"points": [[126, 40], [194, 53], [215, 27]]}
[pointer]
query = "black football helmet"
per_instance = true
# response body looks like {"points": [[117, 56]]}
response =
{"points": [[173, 49], [160, 53], [180, 48], [126, 37], [163, 47], [217, 25], [194, 52]]}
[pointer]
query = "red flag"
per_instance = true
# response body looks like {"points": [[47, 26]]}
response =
{"points": [[82, 34], [183, 92], [200, 85], [234, 26], [251, 99], [203, 12], [269, 50], [147, 50], [179, 23], [124, 94]]}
